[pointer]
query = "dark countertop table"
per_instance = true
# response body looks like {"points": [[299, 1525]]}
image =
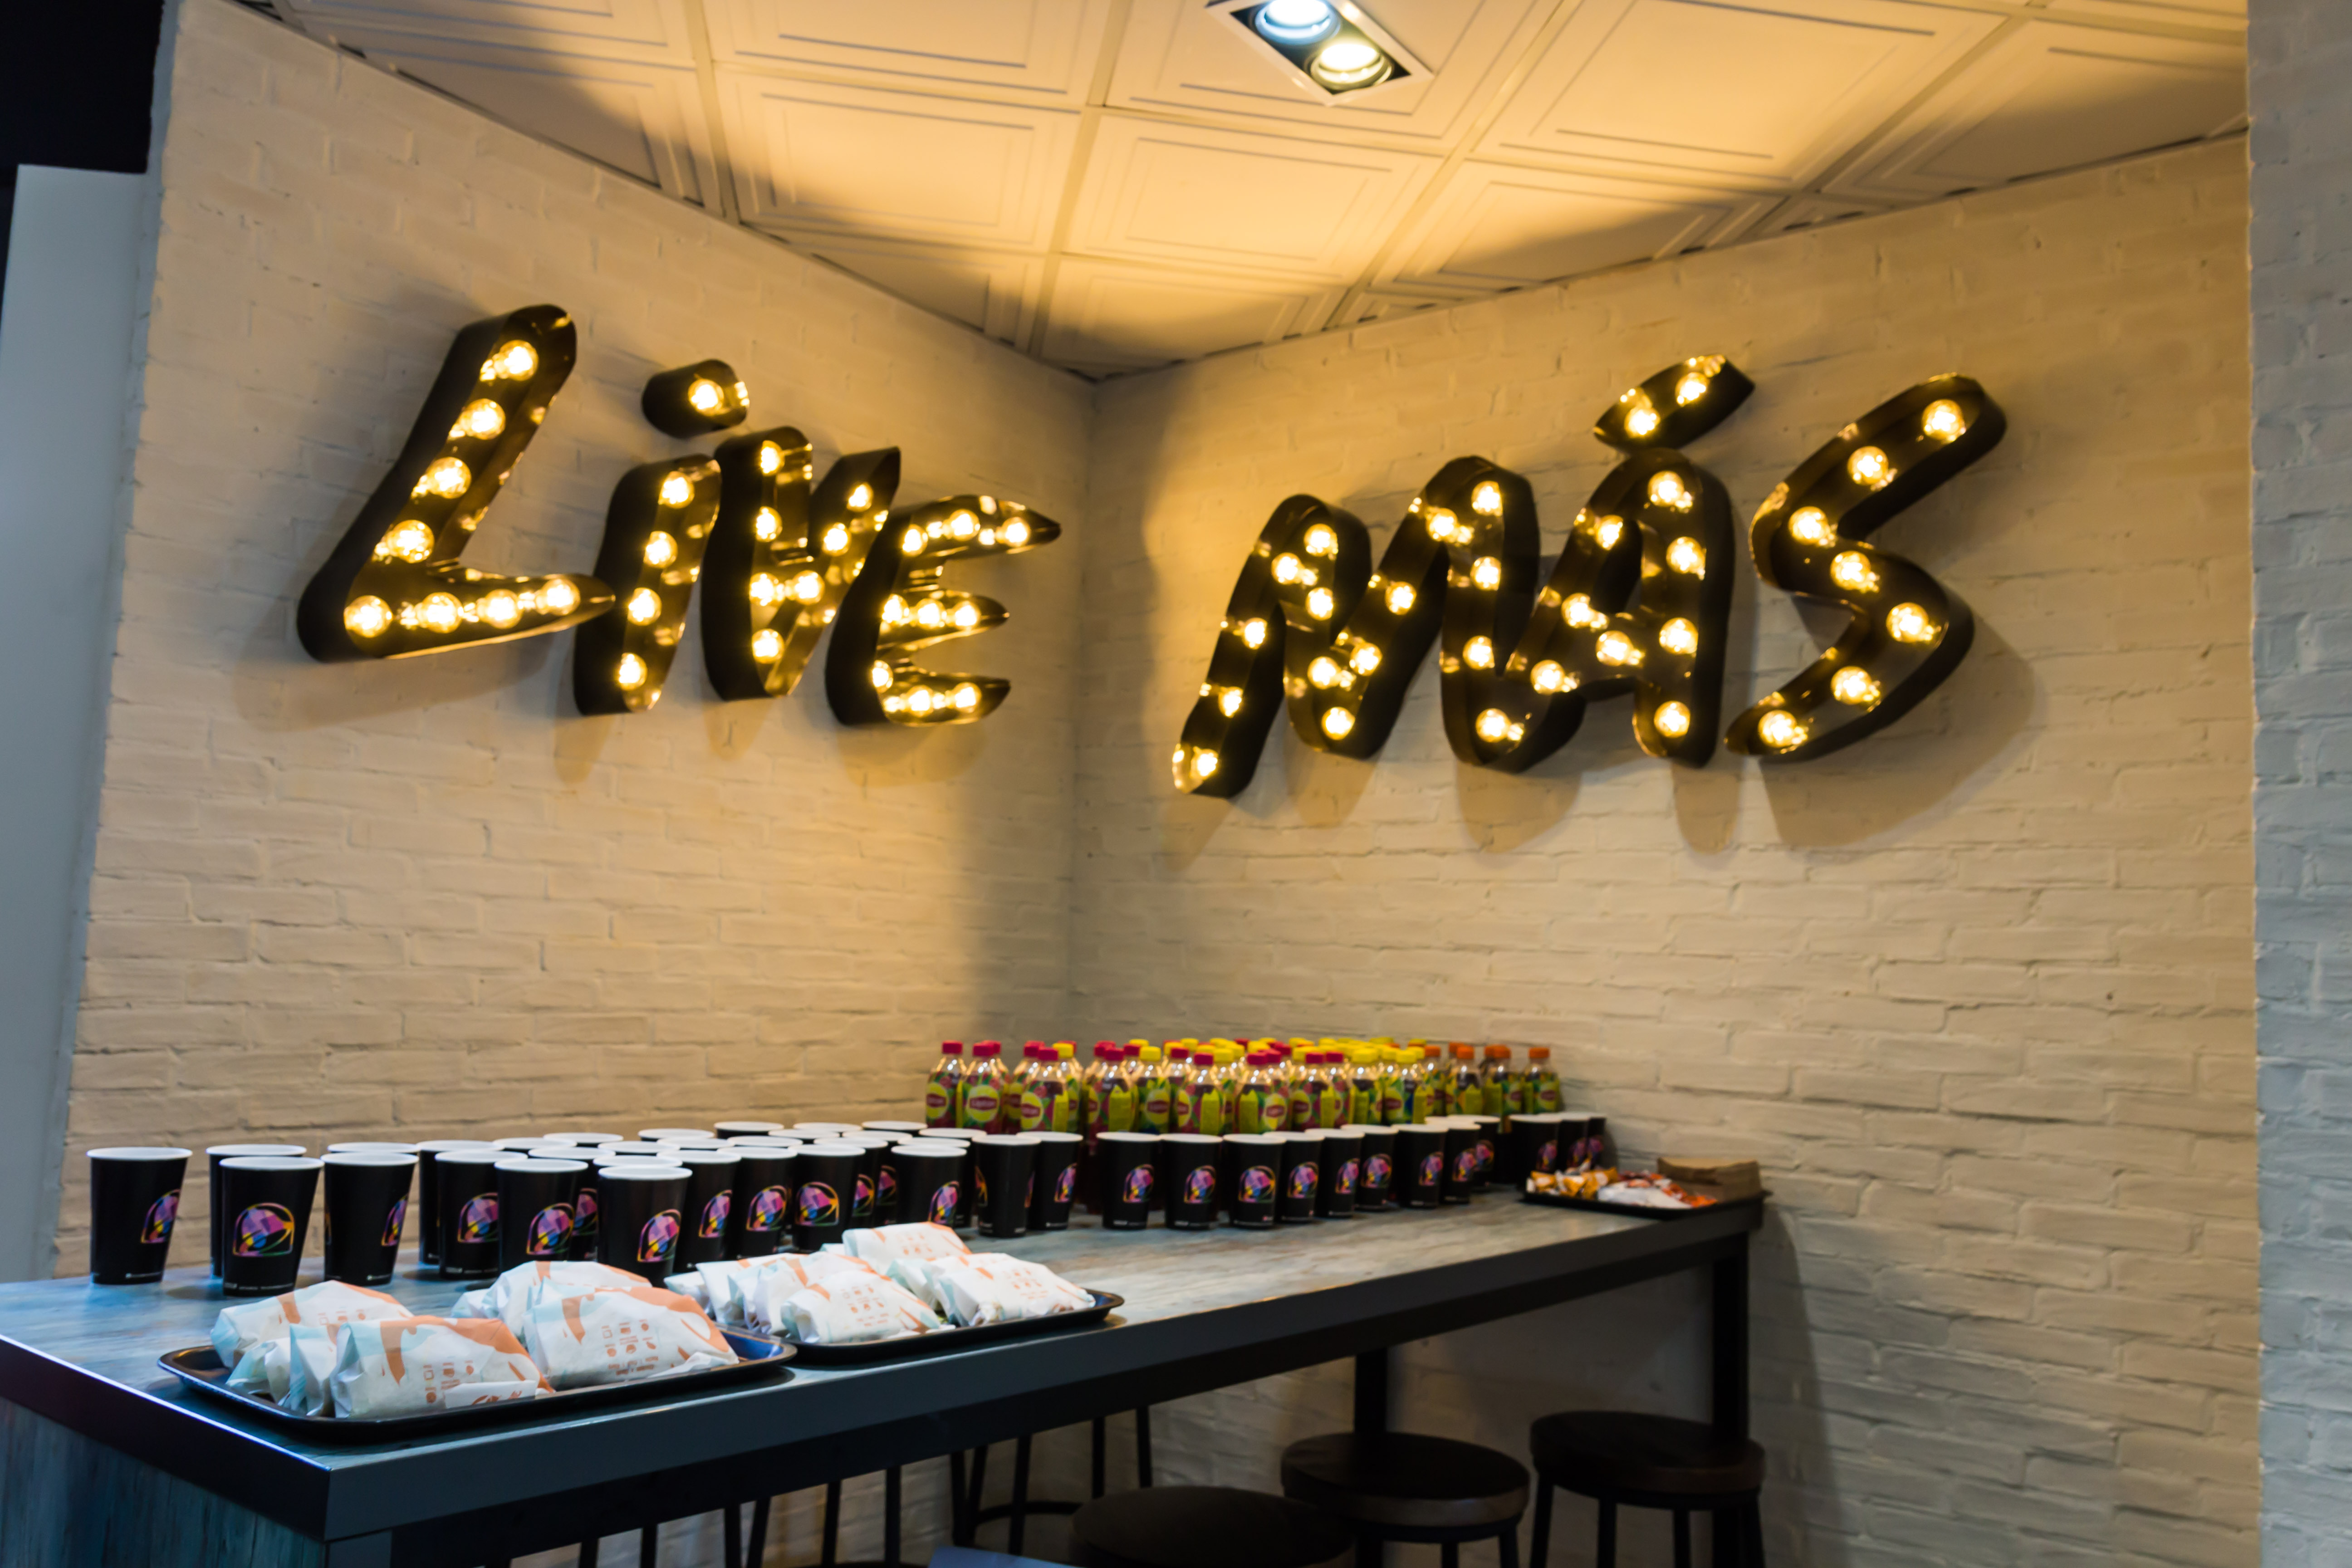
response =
{"points": [[1203, 1310]]}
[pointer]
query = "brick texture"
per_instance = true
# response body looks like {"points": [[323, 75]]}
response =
{"points": [[1975, 992], [2301, 245]]}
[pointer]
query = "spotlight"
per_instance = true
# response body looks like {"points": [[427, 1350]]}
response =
{"points": [[1332, 47], [1344, 65], [1298, 21]]}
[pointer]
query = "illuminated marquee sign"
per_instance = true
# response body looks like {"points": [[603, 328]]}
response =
{"points": [[778, 554], [1636, 605]]}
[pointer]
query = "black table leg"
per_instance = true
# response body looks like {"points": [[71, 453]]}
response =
{"points": [[1373, 1390], [891, 1481], [1102, 1444], [755, 1551], [1728, 1317], [831, 1537], [649, 1547], [732, 1531], [1143, 1446], [1017, 1529]]}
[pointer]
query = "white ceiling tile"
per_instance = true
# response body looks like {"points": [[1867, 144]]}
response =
{"points": [[1764, 93], [1107, 315], [1041, 51], [1184, 194], [635, 29], [996, 292], [1502, 227], [2051, 96], [2230, 15], [1182, 56], [852, 160]]}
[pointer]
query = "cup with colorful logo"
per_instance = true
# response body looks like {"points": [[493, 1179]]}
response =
{"points": [[1131, 1178], [1461, 1174], [760, 1222], [1299, 1179], [826, 1177], [212, 1158], [1057, 1180], [930, 1180], [1376, 1166], [466, 1208], [539, 1208], [709, 1210], [1252, 1170], [367, 1211], [1420, 1181], [1343, 1161], [641, 1215], [1188, 1180], [270, 1198], [1005, 1166], [134, 1201]]}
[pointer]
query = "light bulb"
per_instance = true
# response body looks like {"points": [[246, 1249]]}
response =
{"points": [[1548, 677], [1016, 534], [676, 489], [772, 457], [644, 607], [1579, 612], [1850, 569], [1349, 62], [1338, 722], [367, 616], [1478, 653], [766, 524], [880, 676], [1641, 420], [1400, 598], [440, 613], [705, 397], [1298, 21], [1365, 659], [861, 498], [963, 525], [1688, 556], [1488, 573], [1943, 421], [500, 608], [448, 478], [560, 597], [919, 700], [1854, 686], [1486, 499], [1324, 672], [1678, 636], [1812, 526], [764, 589], [1286, 568], [1319, 603], [409, 540], [808, 587], [1494, 724], [1909, 622], [1616, 648], [966, 614], [766, 644], [967, 698], [1229, 700], [1869, 469], [630, 672], [1780, 729], [894, 610], [911, 542], [1690, 388], [1666, 489], [1205, 764], [988, 505], [1672, 720], [929, 616], [513, 361], [1254, 634], [835, 540], [1441, 523], [479, 420], [1322, 540], [661, 548], [1608, 531]]}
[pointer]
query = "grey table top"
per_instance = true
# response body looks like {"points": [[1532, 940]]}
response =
{"points": [[1204, 1308]]}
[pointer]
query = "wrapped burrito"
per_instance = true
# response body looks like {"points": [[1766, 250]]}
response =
{"points": [[291, 1372], [993, 1288], [848, 1308], [238, 1328], [617, 1336], [923, 1243], [761, 1295], [511, 1297], [411, 1366]]}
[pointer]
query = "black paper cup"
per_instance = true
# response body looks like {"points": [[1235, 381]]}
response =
{"points": [[1343, 1161], [709, 1208], [1301, 1177], [428, 1191], [527, 1144], [744, 1129], [930, 1178], [1419, 1182], [1532, 1145], [270, 1198], [1056, 1185], [640, 1213], [212, 1158], [1577, 1143], [1189, 1180], [539, 1208], [761, 1219], [825, 1177], [1490, 1150], [666, 1134], [367, 1209], [134, 1201], [1461, 1159], [1005, 1167], [587, 1213], [1376, 1170], [866, 1195], [468, 1205], [1131, 1178], [1253, 1176]]}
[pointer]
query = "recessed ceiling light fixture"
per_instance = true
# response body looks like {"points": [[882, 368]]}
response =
{"points": [[1328, 44]]}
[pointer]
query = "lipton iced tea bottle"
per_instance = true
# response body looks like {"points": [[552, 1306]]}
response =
{"points": [[982, 1105], [939, 1091], [1069, 1112], [1301, 1087], [1025, 1095], [1335, 1094], [1502, 1084], [1183, 1094], [1411, 1097], [1212, 1096], [1152, 1113], [1468, 1089], [1262, 1104], [1543, 1084]]}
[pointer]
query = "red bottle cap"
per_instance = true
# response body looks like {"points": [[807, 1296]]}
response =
{"points": [[988, 1049]]}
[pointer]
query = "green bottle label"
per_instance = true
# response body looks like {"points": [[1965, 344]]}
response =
{"points": [[1119, 1109], [939, 1104], [1547, 1093], [1155, 1107], [1302, 1105], [1212, 1113], [980, 1104]]}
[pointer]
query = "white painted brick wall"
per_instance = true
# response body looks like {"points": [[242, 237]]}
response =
{"points": [[1977, 992], [2300, 54], [343, 901]]}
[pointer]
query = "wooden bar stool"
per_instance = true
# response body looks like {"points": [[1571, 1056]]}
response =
{"points": [[1651, 1462], [1204, 1527], [1402, 1486]]}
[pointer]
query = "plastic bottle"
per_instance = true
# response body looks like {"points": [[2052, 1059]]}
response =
{"points": [[1363, 1084], [939, 1091], [1183, 1094], [980, 1107], [1032, 1088], [1306, 1071], [1468, 1088], [1213, 1095], [1335, 1103], [1543, 1084], [1263, 1103], [1502, 1084], [1152, 1111], [1411, 1088]]}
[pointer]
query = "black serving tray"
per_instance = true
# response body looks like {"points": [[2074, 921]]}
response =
{"points": [[199, 1367], [939, 1342], [1639, 1211]]}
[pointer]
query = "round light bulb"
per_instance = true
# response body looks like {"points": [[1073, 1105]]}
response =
{"points": [[630, 672], [479, 420], [1943, 421], [1641, 420], [1690, 389], [772, 457], [929, 616], [1494, 724], [1286, 568], [1909, 622], [1780, 729], [911, 542], [1205, 764], [967, 698], [894, 610], [919, 700], [1486, 499], [644, 607], [1854, 686], [1478, 653], [1254, 634], [1365, 659], [880, 676], [1608, 531], [409, 540], [1349, 62], [1488, 573], [1322, 540], [367, 616], [1400, 598], [1617, 648], [1672, 720], [1850, 570], [500, 608], [1810, 525], [766, 644], [808, 587], [560, 597], [1016, 534], [966, 614], [676, 489], [1667, 489], [835, 540], [861, 498], [1338, 722], [513, 361], [1869, 469], [1229, 700], [1548, 677], [440, 613], [705, 397], [1678, 636], [1688, 556], [448, 478], [764, 589], [1319, 603], [661, 548], [1579, 612], [1324, 672], [1441, 524], [1298, 21], [963, 525]]}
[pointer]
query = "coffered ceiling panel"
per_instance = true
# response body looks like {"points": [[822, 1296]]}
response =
{"points": [[640, 29], [849, 160], [1499, 227], [2052, 96], [1110, 317], [2230, 14], [1768, 94], [996, 293], [1031, 51], [1184, 194]]}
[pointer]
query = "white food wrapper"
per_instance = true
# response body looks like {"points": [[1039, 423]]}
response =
{"points": [[723, 1288], [993, 1289], [923, 1243], [848, 1308], [511, 1297], [763, 1295], [618, 1336], [691, 1287], [412, 1366], [1640, 1197], [238, 1328], [309, 1362]]}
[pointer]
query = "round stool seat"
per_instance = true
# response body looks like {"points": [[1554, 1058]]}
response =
{"points": [[1202, 1527], [1403, 1480], [1612, 1451]]}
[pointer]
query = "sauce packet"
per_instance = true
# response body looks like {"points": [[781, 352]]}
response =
{"points": [[411, 1366]]}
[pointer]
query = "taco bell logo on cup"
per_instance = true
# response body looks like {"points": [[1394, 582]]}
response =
{"points": [[1257, 1184], [820, 1205], [264, 1230], [1136, 1189], [767, 1210], [944, 1199], [886, 1191], [1302, 1180], [980, 1181], [714, 1216], [160, 1214], [549, 1232], [1376, 1170], [1343, 1180], [1466, 1164], [1065, 1184], [863, 1195], [395, 1220], [1548, 1153], [658, 1239], [1432, 1170], [1201, 1184], [479, 1220]]}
